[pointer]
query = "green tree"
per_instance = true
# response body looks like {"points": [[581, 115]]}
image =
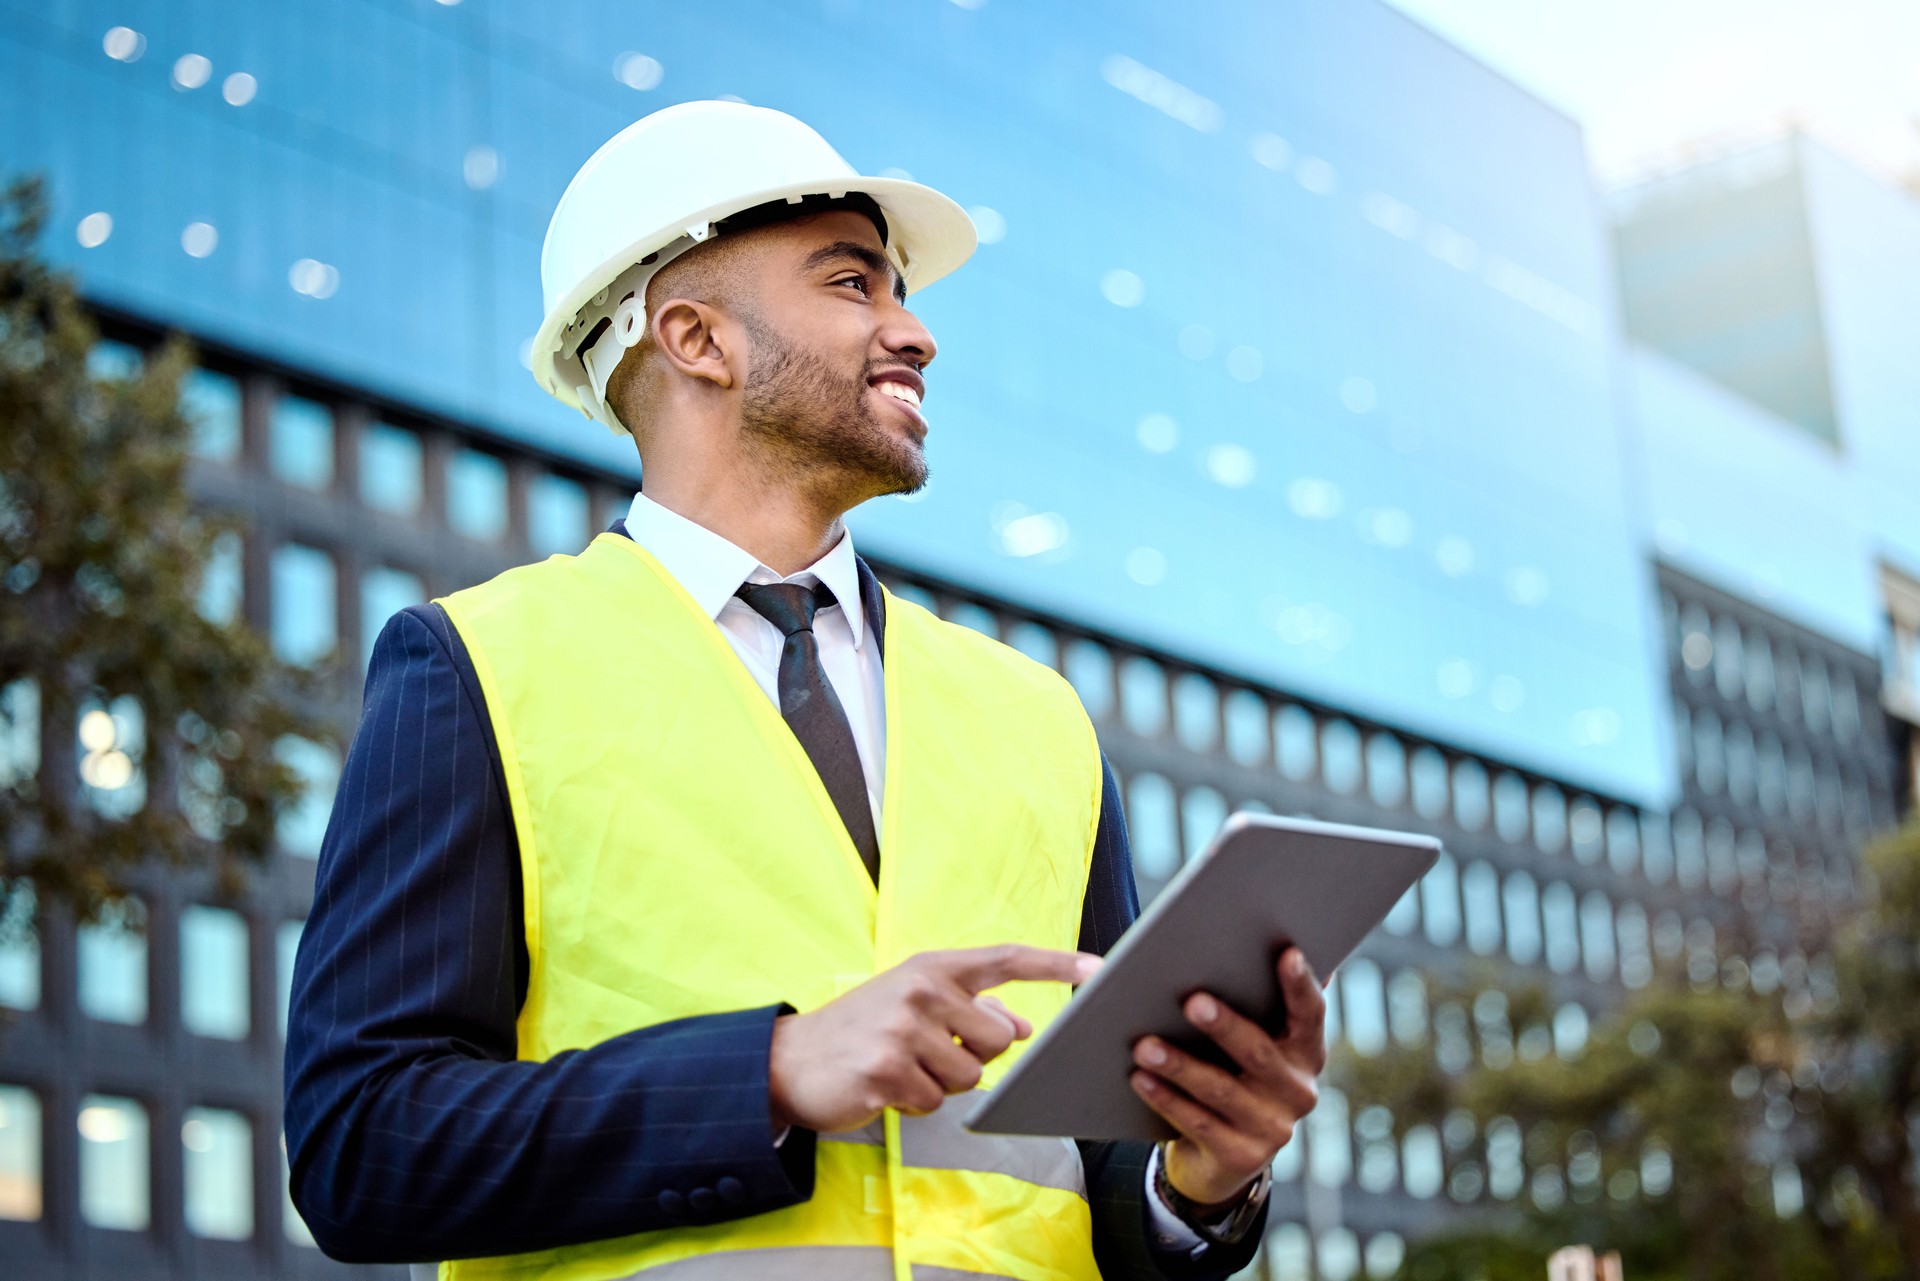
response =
{"points": [[134, 731], [1727, 1120]]}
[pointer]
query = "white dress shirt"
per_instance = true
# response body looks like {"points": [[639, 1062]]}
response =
{"points": [[711, 569]]}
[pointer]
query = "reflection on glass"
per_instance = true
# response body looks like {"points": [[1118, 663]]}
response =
{"points": [[305, 622], [477, 495], [390, 469], [556, 515], [384, 592], [213, 973], [217, 1148], [303, 824], [300, 443], [212, 403], [19, 950], [19, 1153], [111, 965], [113, 1163]]}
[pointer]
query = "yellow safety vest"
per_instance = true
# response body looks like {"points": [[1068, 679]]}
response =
{"points": [[680, 856]]}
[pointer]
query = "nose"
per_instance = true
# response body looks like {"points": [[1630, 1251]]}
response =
{"points": [[906, 339]]}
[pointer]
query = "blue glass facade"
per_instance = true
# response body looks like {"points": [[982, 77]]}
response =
{"points": [[1289, 348]]}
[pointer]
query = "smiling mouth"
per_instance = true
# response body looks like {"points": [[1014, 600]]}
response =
{"points": [[899, 391]]}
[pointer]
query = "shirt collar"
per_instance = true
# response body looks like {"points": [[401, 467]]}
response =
{"points": [[711, 568]]}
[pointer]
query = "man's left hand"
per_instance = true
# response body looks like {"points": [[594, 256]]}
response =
{"points": [[1231, 1124]]}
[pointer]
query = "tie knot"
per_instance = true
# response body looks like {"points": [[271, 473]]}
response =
{"points": [[788, 606]]}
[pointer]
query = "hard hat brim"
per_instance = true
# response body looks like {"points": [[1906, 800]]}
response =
{"points": [[928, 236]]}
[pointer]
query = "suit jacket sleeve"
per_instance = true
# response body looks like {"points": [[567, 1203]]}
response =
{"points": [[1123, 1244], [413, 1133]]}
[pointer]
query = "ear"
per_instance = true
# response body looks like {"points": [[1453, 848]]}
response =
{"points": [[696, 340]]}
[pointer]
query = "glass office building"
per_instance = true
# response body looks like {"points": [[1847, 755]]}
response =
{"points": [[1303, 404]]}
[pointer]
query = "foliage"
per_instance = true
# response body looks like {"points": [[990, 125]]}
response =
{"points": [[1729, 1120], [102, 557]]}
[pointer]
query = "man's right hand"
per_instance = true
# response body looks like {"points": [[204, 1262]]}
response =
{"points": [[907, 1037]]}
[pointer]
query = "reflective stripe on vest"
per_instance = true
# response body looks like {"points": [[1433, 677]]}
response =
{"points": [[680, 857]]}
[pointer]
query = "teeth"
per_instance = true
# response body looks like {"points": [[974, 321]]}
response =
{"points": [[900, 391]]}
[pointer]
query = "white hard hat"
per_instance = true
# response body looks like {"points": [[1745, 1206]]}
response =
{"points": [[658, 187]]}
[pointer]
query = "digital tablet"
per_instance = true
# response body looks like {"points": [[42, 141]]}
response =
{"points": [[1219, 926]]}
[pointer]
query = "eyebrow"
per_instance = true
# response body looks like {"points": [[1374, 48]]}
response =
{"points": [[871, 259]]}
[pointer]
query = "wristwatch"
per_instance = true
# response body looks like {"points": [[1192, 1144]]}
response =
{"points": [[1223, 1224]]}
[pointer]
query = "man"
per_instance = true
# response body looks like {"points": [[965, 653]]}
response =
{"points": [[674, 889]]}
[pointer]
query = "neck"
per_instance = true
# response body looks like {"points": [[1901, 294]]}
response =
{"points": [[784, 525]]}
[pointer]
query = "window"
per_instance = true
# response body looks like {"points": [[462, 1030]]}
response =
{"points": [[112, 361], [384, 592], [1623, 840], [113, 1163], [286, 946], [1510, 817], [1420, 1162], [1596, 935], [1407, 1008], [1440, 902], [218, 1153], [19, 731], [1340, 755], [1379, 1165], [303, 824], [1202, 811], [390, 469], [1143, 696], [1480, 888], [1196, 712], [1522, 902], [19, 950], [222, 581], [1246, 716], [1151, 827], [1294, 731], [1560, 927], [1386, 770], [1656, 848], [19, 1153], [1405, 915], [556, 515], [211, 402], [1470, 796], [1339, 1252], [1636, 945], [1329, 1144], [1090, 670], [111, 741], [1728, 656], [975, 617], [291, 1224], [1386, 1251], [111, 957], [1429, 777], [1036, 642], [477, 495], [1365, 1006], [305, 620], [300, 443], [213, 973], [1569, 1029]]}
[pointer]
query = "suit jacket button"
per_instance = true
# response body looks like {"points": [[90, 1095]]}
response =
{"points": [[671, 1203], [702, 1199], [732, 1190]]}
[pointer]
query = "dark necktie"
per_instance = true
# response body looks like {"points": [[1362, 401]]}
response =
{"points": [[811, 710]]}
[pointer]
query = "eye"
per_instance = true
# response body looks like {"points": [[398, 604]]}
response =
{"points": [[859, 281]]}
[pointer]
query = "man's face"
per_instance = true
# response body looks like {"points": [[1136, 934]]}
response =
{"points": [[833, 383]]}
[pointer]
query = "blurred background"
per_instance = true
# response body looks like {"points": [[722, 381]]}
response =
{"points": [[1472, 415]]}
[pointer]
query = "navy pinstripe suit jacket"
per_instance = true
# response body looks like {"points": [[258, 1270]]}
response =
{"points": [[413, 1132]]}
